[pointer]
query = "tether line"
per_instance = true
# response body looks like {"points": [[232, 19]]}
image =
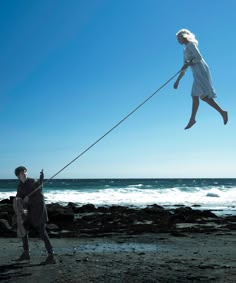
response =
{"points": [[108, 132]]}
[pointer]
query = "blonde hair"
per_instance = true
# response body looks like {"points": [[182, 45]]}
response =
{"points": [[188, 35]]}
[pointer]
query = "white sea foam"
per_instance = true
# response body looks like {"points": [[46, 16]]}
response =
{"points": [[139, 197], [133, 195]]}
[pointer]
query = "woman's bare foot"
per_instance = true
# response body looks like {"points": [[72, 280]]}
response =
{"points": [[225, 117], [190, 124]]}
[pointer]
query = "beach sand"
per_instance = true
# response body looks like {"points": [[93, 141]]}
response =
{"points": [[157, 257]]}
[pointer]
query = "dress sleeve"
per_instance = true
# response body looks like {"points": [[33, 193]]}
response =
{"points": [[195, 55]]}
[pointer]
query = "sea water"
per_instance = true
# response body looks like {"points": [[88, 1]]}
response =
{"points": [[213, 194]]}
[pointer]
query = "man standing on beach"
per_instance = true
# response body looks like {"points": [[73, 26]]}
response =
{"points": [[36, 212]]}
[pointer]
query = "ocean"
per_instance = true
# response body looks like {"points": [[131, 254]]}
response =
{"points": [[214, 194]]}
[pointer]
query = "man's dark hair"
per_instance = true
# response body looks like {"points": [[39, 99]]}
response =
{"points": [[19, 169]]}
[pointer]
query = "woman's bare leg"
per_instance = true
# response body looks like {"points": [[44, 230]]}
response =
{"points": [[213, 104], [195, 105]]}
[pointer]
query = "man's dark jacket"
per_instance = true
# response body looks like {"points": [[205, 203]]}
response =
{"points": [[37, 212]]}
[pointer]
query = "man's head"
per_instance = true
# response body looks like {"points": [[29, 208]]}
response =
{"points": [[21, 173]]}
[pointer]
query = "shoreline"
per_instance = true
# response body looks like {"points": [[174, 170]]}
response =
{"points": [[218, 210], [211, 193], [120, 244], [72, 220]]}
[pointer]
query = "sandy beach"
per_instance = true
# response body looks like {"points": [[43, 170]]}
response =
{"points": [[159, 257]]}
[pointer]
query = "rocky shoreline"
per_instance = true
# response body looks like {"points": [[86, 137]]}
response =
{"points": [[87, 220], [119, 244]]}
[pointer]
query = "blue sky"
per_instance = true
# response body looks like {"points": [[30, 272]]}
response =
{"points": [[70, 70]]}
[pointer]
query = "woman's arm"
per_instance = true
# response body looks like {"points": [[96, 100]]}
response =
{"points": [[182, 73]]}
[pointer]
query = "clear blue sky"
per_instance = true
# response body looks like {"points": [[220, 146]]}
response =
{"points": [[70, 70]]}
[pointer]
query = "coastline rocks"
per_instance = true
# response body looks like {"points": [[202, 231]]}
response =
{"points": [[60, 214], [88, 220], [6, 211], [7, 201], [188, 215], [6, 207], [6, 229], [4, 214], [85, 208], [196, 205], [4, 224], [52, 227], [154, 208]]}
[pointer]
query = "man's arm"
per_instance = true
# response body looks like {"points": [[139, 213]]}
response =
{"points": [[19, 193], [38, 185], [41, 177]]}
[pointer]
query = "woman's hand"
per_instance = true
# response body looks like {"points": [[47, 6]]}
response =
{"points": [[176, 84]]}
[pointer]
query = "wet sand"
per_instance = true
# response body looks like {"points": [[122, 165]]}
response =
{"points": [[157, 257]]}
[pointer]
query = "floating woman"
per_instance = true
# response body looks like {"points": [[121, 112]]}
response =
{"points": [[202, 84]]}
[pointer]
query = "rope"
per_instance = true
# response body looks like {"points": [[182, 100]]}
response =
{"points": [[108, 132]]}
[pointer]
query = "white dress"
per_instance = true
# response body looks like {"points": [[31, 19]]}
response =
{"points": [[202, 84]]}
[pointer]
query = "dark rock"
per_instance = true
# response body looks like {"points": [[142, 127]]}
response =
{"points": [[154, 208], [4, 224], [183, 210], [4, 214], [54, 206], [103, 209], [182, 214], [188, 215], [52, 227], [12, 198], [91, 221], [5, 229], [7, 208], [62, 217], [86, 208], [72, 205], [118, 209], [205, 213], [231, 218], [89, 218], [60, 214], [5, 201], [231, 226]]}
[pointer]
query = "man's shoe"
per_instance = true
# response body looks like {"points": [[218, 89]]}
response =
{"points": [[25, 256], [49, 260]]}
